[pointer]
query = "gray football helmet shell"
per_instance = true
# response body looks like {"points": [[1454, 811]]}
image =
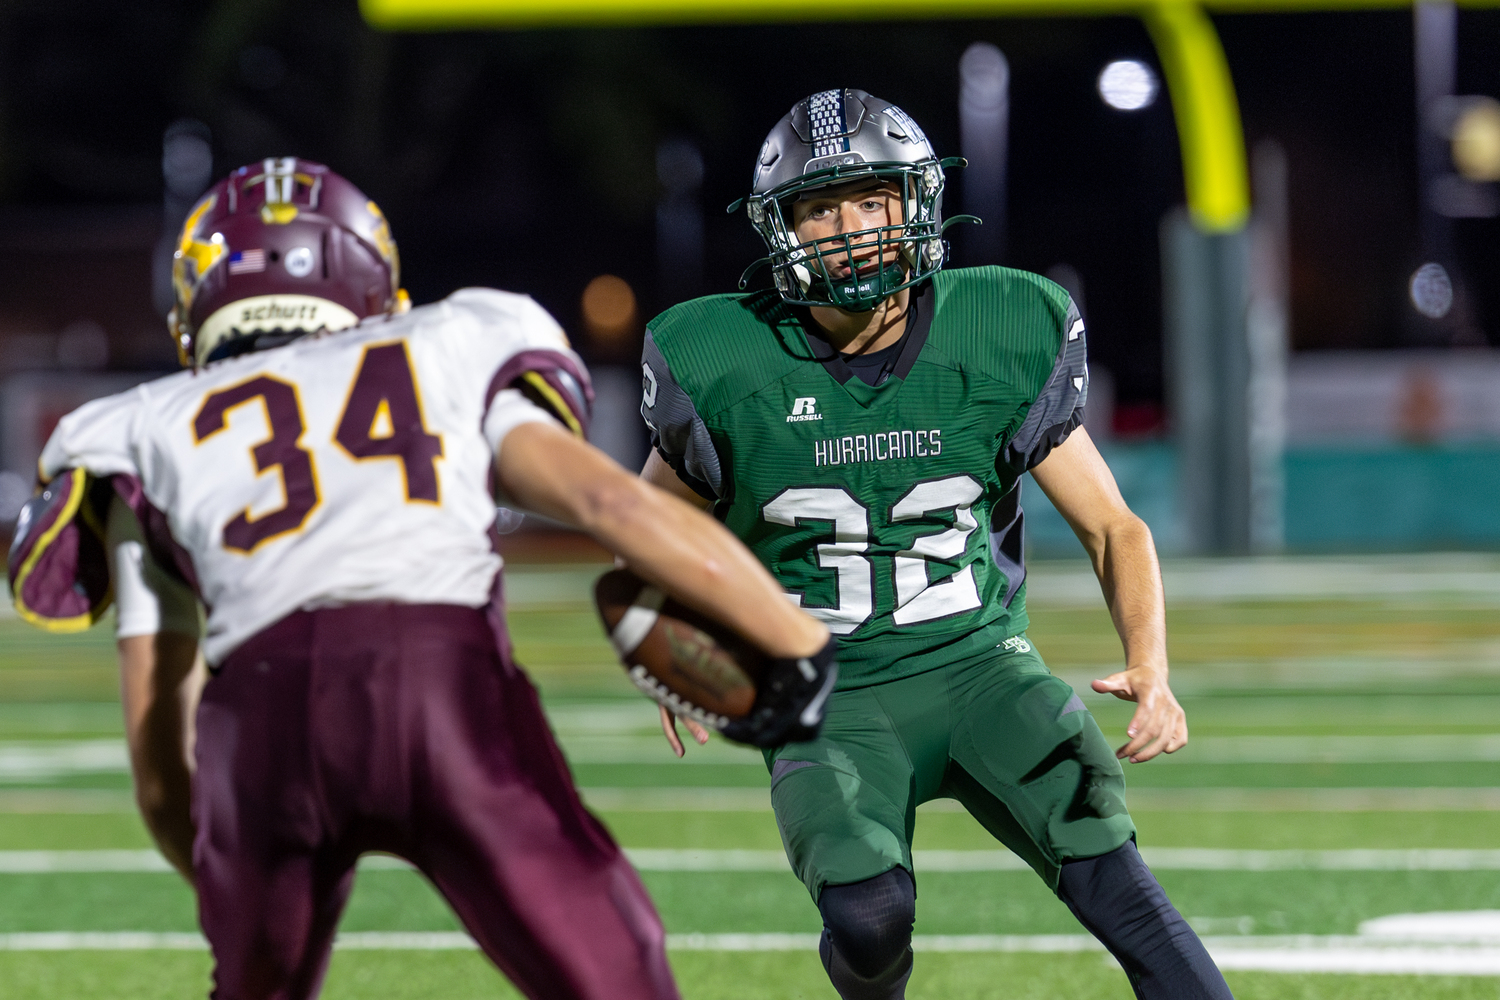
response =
{"points": [[836, 137]]}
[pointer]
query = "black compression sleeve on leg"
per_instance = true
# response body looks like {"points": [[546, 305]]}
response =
{"points": [[866, 945], [1118, 899]]}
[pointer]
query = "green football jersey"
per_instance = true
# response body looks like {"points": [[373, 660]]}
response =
{"points": [[891, 511]]}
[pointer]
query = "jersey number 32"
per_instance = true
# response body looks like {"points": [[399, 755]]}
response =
{"points": [[918, 598]]}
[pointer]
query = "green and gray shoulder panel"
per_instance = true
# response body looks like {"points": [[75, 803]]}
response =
{"points": [[1024, 331], [701, 358]]}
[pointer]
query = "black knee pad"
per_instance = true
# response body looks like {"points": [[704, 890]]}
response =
{"points": [[870, 922]]}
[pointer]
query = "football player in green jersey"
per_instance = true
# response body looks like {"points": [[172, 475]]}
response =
{"points": [[863, 427]]}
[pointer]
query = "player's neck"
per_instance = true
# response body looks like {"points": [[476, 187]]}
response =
{"points": [[861, 333]]}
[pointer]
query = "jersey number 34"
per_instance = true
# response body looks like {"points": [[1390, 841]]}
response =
{"points": [[382, 418], [918, 598]]}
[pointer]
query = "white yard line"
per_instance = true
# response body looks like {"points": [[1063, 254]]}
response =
{"points": [[1418, 749], [1309, 953], [1384, 960], [1470, 578], [1426, 859], [96, 862], [103, 941], [1466, 579], [36, 760], [193, 941], [1141, 799], [54, 862], [758, 800], [1161, 858], [1314, 800], [585, 748], [689, 860], [40, 760]]}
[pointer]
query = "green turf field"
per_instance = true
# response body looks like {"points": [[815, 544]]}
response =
{"points": [[1345, 767]]}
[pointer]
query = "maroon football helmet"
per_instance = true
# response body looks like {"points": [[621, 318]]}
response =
{"points": [[276, 250]]}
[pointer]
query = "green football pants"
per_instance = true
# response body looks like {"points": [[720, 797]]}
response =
{"points": [[1014, 744]]}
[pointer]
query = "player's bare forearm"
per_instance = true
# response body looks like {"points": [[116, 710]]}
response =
{"points": [[1130, 576], [1119, 545], [1079, 483], [680, 549], [160, 679]]}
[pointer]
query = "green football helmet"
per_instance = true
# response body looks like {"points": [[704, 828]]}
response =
{"points": [[832, 138]]}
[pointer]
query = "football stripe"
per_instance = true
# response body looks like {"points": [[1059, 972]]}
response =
{"points": [[637, 621], [813, 713]]}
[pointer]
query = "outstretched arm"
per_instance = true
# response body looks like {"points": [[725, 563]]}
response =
{"points": [[161, 676], [1080, 485], [682, 550]]}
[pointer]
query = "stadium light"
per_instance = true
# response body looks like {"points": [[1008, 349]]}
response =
{"points": [[1476, 140], [984, 129], [608, 307], [1128, 85], [1431, 291]]}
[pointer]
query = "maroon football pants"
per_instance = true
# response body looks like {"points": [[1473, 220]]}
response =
{"points": [[402, 728]]}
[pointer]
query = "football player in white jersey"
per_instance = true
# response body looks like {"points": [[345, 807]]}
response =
{"points": [[322, 481]]}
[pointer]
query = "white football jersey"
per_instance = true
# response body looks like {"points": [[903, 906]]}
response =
{"points": [[350, 467]]}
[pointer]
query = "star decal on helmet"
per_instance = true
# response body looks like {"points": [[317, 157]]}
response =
{"points": [[381, 234], [196, 255]]}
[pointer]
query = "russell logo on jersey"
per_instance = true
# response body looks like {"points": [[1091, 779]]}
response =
{"points": [[804, 408]]}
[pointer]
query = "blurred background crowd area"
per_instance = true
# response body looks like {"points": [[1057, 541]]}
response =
{"points": [[590, 167]]}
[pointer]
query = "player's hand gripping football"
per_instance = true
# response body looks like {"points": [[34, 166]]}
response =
{"points": [[698, 668], [790, 700], [1159, 724]]}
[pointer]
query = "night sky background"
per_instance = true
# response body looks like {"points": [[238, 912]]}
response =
{"points": [[526, 160]]}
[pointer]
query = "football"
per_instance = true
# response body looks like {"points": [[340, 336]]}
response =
{"points": [[695, 667]]}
